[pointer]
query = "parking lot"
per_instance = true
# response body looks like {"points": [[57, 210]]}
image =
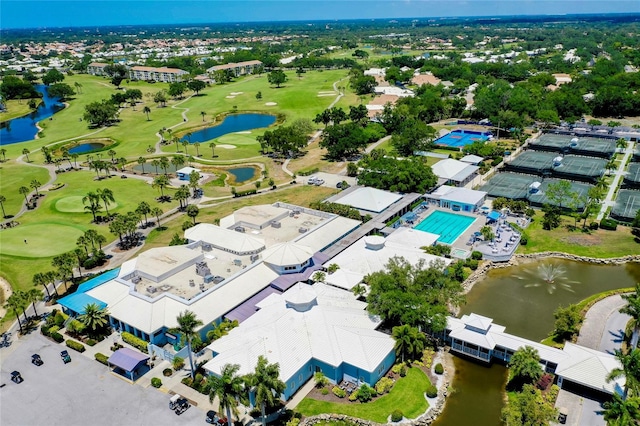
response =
{"points": [[79, 393]]}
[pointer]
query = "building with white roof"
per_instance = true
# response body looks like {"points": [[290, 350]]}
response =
{"points": [[472, 159], [457, 199], [367, 199], [454, 172], [185, 172], [478, 337], [309, 329]]}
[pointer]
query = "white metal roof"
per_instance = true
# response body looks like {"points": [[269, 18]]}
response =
{"points": [[589, 368], [327, 232], [187, 170], [471, 159], [338, 329], [288, 253], [413, 238], [233, 241], [453, 169], [344, 279], [461, 195], [369, 199]]}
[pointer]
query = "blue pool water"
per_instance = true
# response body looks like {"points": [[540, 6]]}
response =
{"points": [[448, 225], [231, 124], [24, 128], [460, 137]]}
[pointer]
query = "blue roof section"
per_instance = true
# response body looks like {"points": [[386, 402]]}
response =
{"points": [[96, 281], [76, 302], [494, 215], [248, 308], [127, 359]]}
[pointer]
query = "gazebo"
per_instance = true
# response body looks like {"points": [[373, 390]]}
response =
{"points": [[128, 361], [493, 216]]}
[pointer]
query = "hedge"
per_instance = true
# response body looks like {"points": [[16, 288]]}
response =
{"points": [[608, 224], [135, 341], [340, 393], [308, 172], [91, 342], [56, 336], [432, 391], [102, 358], [245, 193], [76, 346]]}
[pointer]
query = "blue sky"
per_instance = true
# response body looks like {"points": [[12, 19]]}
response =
{"points": [[65, 13]]}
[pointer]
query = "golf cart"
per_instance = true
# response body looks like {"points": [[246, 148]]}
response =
{"points": [[563, 412], [212, 417], [181, 406], [16, 377], [36, 360], [65, 356], [173, 401]]}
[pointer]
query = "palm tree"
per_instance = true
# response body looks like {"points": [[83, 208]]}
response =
{"points": [[16, 303], [177, 161], [182, 194], [487, 233], [176, 140], [185, 144], [164, 164], [160, 182], [2, 201], [3, 152], [266, 384], [94, 317], [621, 412], [94, 203], [78, 87], [524, 365], [202, 113], [630, 371], [229, 388], [141, 161], [24, 191], [611, 165], [112, 154], [213, 147], [106, 195], [34, 295], [26, 153], [40, 278], [621, 143], [192, 212], [409, 341], [161, 133], [143, 209], [632, 308], [187, 324], [74, 157], [319, 276], [157, 211], [197, 146], [35, 184], [146, 110], [155, 163]]}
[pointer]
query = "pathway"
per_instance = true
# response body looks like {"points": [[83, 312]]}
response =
{"points": [[609, 201], [185, 119], [603, 325]]}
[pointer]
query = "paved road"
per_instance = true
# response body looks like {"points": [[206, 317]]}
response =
{"points": [[609, 201], [603, 325]]}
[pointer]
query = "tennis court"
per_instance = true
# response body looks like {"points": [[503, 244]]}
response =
{"points": [[632, 178], [590, 146], [539, 197], [509, 185], [461, 137], [449, 226], [626, 206], [575, 167]]}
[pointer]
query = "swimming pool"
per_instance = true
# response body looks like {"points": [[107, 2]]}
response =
{"points": [[448, 225], [460, 137]]}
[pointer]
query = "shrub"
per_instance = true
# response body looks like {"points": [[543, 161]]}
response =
{"points": [[51, 319], [608, 224], [593, 226], [76, 346], [476, 255], [60, 318], [91, 342], [245, 193], [524, 239], [397, 368], [353, 396], [403, 370], [396, 416], [340, 393], [384, 385], [365, 393], [44, 329], [432, 391], [472, 264], [53, 329], [293, 422], [324, 391], [156, 383], [187, 381], [496, 161], [321, 379], [56, 336], [439, 369], [101, 358], [544, 381], [167, 372], [76, 327], [135, 341], [178, 363]]}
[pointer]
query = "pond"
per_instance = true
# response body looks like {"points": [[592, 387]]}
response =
{"points": [[522, 298], [24, 128], [84, 148], [243, 174], [231, 124]]}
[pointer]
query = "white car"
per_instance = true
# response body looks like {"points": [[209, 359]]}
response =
{"points": [[312, 180]]}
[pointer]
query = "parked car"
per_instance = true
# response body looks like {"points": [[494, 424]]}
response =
{"points": [[16, 377], [181, 406], [65, 356], [212, 417], [312, 180], [319, 182], [36, 360], [562, 415]]}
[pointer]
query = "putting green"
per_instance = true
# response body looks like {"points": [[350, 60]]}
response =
{"points": [[43, 239], [73, 204]]}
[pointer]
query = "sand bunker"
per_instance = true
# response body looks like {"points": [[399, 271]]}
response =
{"points": [[229, 97], [236, 93], [326, 94], [271, 103], [246, 132], [225, 146]]}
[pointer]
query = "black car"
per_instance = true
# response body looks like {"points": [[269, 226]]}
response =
{"points": [[16, 377], [65, 356], [212, 417], [36, 360]]}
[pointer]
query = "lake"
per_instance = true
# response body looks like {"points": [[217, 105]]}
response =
{"points": [[232, 124], [243, 174], [23, 129]]}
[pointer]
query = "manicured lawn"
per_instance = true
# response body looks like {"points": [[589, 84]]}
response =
{"points": [[12, 177], [407, 395], [15, 108], [43, 239], [599, 243]]}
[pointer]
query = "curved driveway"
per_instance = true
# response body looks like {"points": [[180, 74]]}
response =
{"points": [[603, 327]]}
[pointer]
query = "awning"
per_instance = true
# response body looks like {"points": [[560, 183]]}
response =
{"points": [[127, 359], [96, 281], [76, 302], [494, 215]]}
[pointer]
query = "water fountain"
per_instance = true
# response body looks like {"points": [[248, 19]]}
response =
{"points": [[553, 276]]}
